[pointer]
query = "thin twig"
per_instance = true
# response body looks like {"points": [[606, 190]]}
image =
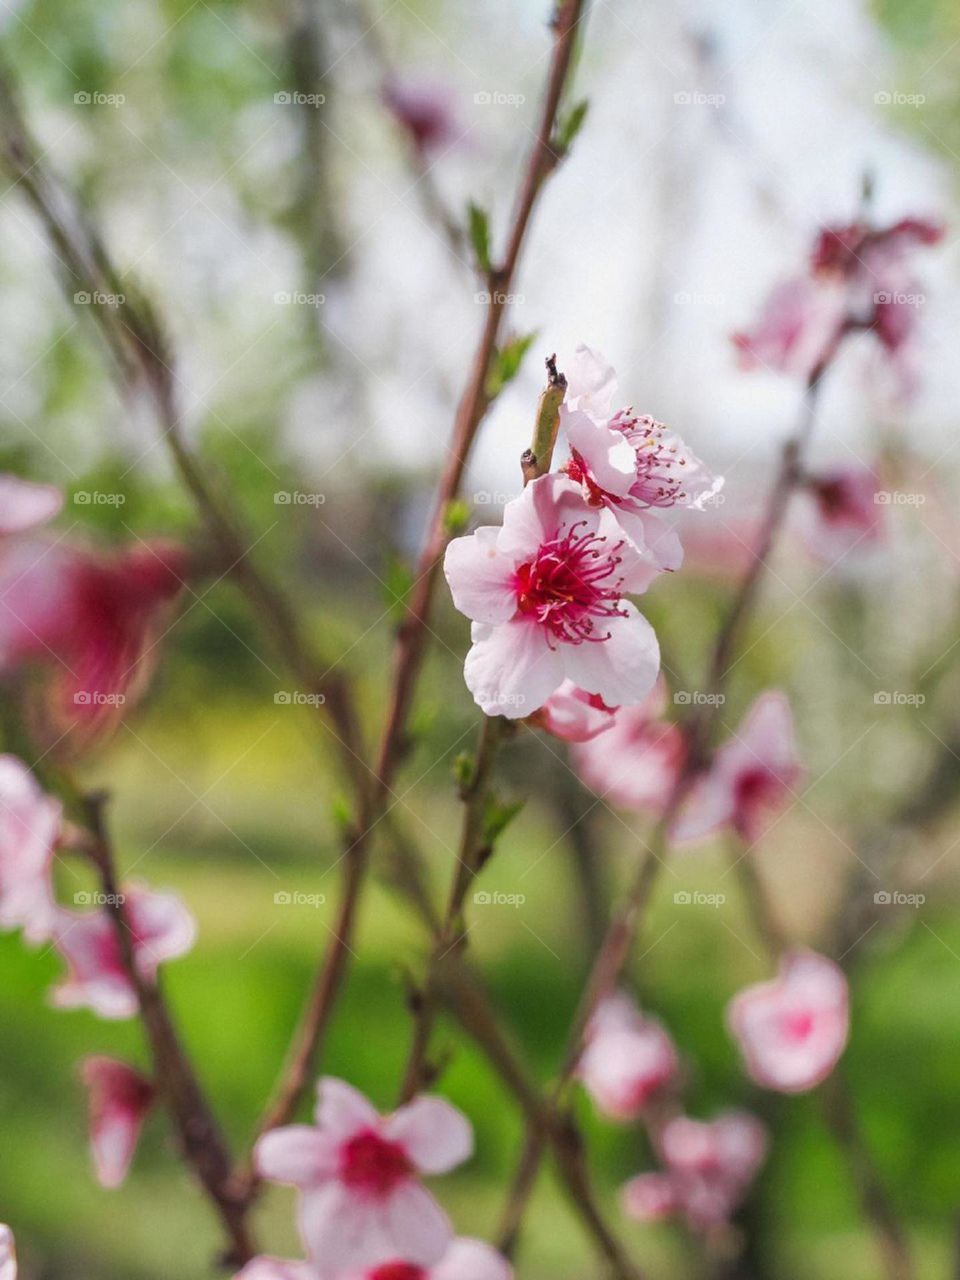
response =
{"points": [[201, 1140]]}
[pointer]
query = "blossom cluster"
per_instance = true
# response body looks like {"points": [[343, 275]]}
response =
{"points": [[547, 590]]}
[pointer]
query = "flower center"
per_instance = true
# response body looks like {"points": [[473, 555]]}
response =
{"points": [[398, 1271], [570, 584], [798, 1026], [660, 463], [371, 1164]]}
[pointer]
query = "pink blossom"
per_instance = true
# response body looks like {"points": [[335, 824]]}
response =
{"points": [[635, 765], [24, 505], [574, 715], [161, 929], [841, 514], [793, 1030], [650, 1197], [361, 1204], [708, 1167], [120, 1100], [750, 778], [860, 278], [95, 619], [29, 829], [425, 111], [8, 1254], [628, 465], [627, 1059], [546, 595]]}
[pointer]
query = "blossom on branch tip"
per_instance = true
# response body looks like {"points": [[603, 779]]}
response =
{"points": [[29, 830], [841, 513], [750, 778], [160, 928], [466, 1259], [628, 1058], [792, 1030], [631, 466], [546, 594], [120, 1100], [425, 112], [361, 1203]]}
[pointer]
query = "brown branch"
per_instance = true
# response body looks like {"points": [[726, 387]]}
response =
{"points": [[200, 1138]]}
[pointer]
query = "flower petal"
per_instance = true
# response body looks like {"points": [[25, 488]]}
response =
{"points": [[297, 1154], [511, 669], [342, 1110], [468, 1259], [480, 578], [591, 383], [434, 1134], [622, 669], [24, 505], [265, 1268]]}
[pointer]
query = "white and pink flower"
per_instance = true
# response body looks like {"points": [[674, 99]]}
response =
{"points": [[630, 466], [466, 1259], [750, 779], [120, 1100], [628, 1058], [361, 1203], [426, 113], [709, 1166], [792, 1030], [546, 593], [267, 1268], [635, 765], [161, 928], [29, 831], [841, 514]]}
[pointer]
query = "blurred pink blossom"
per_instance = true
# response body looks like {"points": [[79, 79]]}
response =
{"points": [[750, 778], [29, 830], [635, 765], [161, 929], [793, 1029], [8, 1254], [25, 505], [425, 112], [574, 715], [361, 1202], [628, 1058], [841, 513], [120, 1100], [546, 595]]}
